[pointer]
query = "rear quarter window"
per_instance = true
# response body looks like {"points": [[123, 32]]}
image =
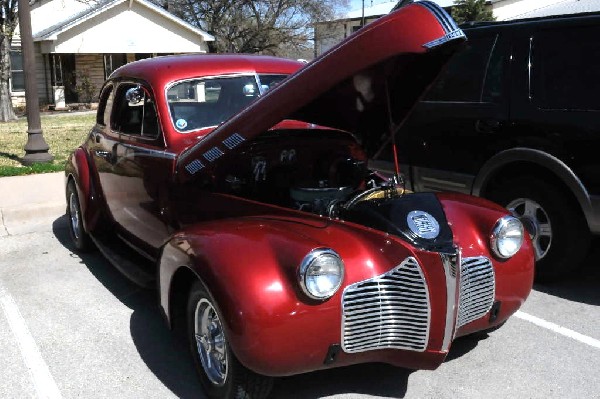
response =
{"points": [[565, 67]]}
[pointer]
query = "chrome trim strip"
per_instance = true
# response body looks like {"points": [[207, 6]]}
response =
{"points": [[233, 141], [529, 65], [456, 34], [452, 271], [149, 152], [194, 167], [213, 154], [451, 29], [442, 16], [444, 182], [426, 179]]}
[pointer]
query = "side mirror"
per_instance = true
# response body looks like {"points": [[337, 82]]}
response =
{"points": [[135, 95], [249, 90]]}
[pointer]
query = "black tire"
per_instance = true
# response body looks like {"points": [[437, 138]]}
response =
{"points": [[235, 380], [566, 226], [79, 236]]}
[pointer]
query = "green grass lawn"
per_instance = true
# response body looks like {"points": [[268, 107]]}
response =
{"points": [[63, 133]]}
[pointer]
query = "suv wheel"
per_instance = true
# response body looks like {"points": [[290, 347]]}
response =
{"points": [[558, 231]]}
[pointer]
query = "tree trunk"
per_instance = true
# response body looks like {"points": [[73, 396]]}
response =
{"points": [[6, 109]]}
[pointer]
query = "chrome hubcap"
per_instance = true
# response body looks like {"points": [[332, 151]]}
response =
{"points": [[74, 213], [210, 342], [536, 222]]}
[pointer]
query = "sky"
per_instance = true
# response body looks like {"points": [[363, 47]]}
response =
{"points": [[356, 4]]}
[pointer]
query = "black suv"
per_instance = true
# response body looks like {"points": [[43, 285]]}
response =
{"points": [[515, 118]]}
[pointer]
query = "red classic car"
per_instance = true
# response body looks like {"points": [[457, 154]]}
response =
{"points": [[242, 187]]}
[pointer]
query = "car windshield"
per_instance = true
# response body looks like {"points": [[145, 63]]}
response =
{"points": [[203, 102]]}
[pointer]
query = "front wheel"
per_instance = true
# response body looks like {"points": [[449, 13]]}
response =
{"points": [[556, 226], [221, 374]]}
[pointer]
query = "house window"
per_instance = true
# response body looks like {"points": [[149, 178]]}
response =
{"points": [[56, 76], [17, 78], [112, 62], [142, 56]]}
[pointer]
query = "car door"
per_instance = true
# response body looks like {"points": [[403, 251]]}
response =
{"points": [[137, 169], [447, 137]]}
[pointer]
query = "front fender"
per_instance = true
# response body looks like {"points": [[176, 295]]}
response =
{"points": [[472, 220], [250, 268]]}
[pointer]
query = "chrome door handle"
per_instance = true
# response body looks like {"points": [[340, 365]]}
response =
{"points": [[106, 155]]}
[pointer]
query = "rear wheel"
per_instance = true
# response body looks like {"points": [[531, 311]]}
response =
{"points": [[221, 374], [79, 236], [557, 228]]}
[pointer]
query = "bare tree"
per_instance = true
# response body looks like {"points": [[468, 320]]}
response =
{"points": [[256, 26], [471, 10], [8, 22]]}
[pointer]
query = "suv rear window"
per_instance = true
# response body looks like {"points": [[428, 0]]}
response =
{"points": [[564, 64], [463, 79]]}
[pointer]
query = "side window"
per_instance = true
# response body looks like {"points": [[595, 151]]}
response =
{"points": [[565, 68], [464, 77], [134, 112], [104, 106]]}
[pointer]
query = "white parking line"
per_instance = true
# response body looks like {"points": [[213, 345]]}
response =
{"points": [[40, 374], [559, 329]]}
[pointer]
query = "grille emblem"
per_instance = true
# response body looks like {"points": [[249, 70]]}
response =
{"points": [[423, 224]]}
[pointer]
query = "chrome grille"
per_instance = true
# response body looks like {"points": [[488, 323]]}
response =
{"points": [[477, 289], [388, 311]]}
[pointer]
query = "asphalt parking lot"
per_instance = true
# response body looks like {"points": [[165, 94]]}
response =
{"points": [[72, 326]]}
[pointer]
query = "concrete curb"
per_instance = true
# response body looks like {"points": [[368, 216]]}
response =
{"points": [[31, 203], [30, 218]]}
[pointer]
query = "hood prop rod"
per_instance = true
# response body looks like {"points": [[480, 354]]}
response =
{"points": [[396, 181]]}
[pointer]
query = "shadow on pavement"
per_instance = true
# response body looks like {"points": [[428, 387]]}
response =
{"points": [[582, 286], [368, 379], [166, 357]]}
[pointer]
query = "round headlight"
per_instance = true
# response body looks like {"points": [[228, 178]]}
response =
{"points": [[507, 237], [321, 273]]}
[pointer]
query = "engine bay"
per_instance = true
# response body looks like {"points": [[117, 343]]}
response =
{"points": [[324, 172], [321, 171]]}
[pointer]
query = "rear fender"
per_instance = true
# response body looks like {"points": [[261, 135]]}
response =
{"points": [[79, 169]]}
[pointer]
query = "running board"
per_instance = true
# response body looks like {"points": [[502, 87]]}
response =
{"points": [[133, 271]]}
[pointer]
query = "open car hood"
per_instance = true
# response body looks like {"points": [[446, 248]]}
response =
{"points": [[366, 85]]}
